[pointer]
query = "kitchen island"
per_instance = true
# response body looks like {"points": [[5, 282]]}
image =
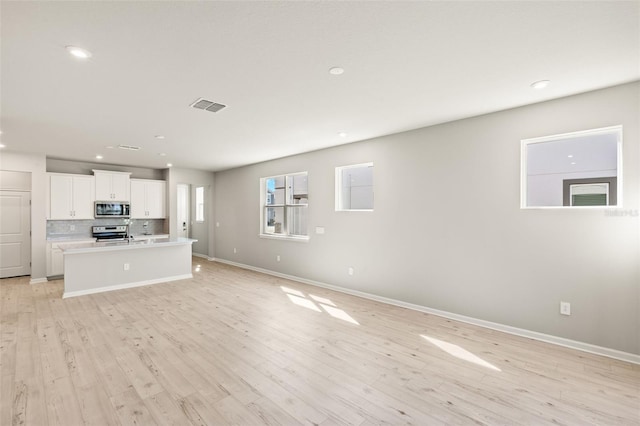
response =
{"points": [[94, 267]]}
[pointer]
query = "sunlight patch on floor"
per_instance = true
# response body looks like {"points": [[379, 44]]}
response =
{"points": [[305, 303], [299, 298], [459, 352], [292, 291], [322, 300], [339, 313]]}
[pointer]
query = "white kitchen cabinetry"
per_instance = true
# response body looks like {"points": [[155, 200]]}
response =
{"points": [[55, 258], [112, 186], [70, 196], [148, 198]]}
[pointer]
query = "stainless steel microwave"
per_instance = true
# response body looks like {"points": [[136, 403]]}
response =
{"points": [[112, 209]]}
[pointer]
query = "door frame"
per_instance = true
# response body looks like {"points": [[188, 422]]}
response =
{"points": [[185, 199]]}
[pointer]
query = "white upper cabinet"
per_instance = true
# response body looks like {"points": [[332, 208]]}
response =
{"points": [[148, 198], [138, 202], [70, 196], [112, 186]]}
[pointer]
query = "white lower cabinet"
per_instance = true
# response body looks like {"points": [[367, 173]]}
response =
{"points": [[55, 258]]}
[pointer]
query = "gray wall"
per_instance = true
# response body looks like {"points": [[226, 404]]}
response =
{"points": [[86, 168], [203, 232], [448, 233]]}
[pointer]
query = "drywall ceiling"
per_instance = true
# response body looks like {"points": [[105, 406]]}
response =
{"points": [[406, 65]]}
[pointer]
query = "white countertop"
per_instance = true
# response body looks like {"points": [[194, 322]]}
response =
{"points": [[63, 238], [91, 247], [59, 238]]}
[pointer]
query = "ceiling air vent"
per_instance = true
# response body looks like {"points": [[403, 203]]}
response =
{"points": [[129, 147], [206, 105]]}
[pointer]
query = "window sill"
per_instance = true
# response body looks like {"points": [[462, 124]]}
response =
{"points": [[285, 238]]}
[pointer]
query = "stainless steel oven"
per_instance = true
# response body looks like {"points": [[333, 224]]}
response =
{"points": [[110, 232]]}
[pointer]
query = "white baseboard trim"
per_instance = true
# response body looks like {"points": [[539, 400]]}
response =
{"points": [[68, 294], [38, 280], [560, 341], [204, 256]]}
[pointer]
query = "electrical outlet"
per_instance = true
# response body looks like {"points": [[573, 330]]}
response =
{"points": [[217, 224], [72, 227], [278, 258], [565, 308], [126, 266], [235, 250], [350, 270], [319, 230]]}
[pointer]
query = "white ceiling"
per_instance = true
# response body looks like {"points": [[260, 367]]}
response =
{"points": [[407, 65]]}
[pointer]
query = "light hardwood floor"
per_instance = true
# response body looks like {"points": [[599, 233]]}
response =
{"points": [[232, 346]]}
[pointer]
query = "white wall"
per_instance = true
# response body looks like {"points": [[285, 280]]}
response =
{"points": [[36, 165], [448, 232]]}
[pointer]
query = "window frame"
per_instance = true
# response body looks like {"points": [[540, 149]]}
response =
{"points": [[618, 129], [286, 206], [338, 186]]}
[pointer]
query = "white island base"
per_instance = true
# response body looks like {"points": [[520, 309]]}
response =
{"points": [[98, 267]]}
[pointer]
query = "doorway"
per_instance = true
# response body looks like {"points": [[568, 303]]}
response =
{"points": [[183, 211], [15, 233]]}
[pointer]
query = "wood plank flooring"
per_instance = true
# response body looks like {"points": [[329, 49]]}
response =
{"points": [[236, 347]]}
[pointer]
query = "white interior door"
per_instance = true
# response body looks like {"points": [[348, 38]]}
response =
{"points": [[183, 210], [15, 230]]}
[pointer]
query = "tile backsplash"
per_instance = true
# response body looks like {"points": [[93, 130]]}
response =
{"points": [[82, 228]]}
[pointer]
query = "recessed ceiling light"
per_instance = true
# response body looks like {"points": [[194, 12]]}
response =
{"points": [[169, 165], [79, 52], [2, 145], [99, 157], [336, 71], [162, 154], [159, 137], [573, 162], [541, 84], [570, 156], [342, 134]]}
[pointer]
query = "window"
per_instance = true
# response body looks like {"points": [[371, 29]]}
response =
{"points": [[580, 169], [284, 206], [590, 192], [200, 204], [354, 187]]}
